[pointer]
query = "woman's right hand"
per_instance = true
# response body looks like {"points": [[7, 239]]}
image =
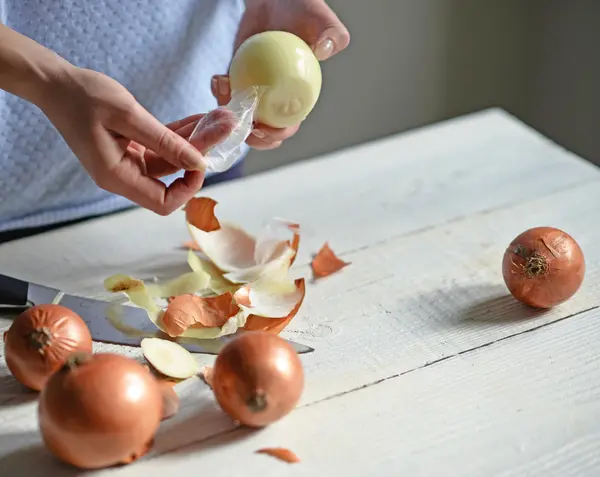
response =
{"points": [[122, 146]]}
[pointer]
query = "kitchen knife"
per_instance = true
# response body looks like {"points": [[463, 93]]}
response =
{"points": [[15, 293]]}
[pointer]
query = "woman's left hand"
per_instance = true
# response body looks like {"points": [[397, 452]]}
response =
{"points": [[311, 20]]}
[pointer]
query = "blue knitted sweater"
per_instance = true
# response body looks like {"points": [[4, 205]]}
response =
{"points": [[163, 52]]}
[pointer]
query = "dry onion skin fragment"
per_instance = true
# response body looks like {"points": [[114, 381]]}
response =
{"points": [[241, 257], [100, 410], [200, 212], [135, 290], [257, 379], [543, 267], [280, 453], [276, 325], [191, 245], [326, 262], [191, 282], [40, 340], [191, 311], [169, 358]]}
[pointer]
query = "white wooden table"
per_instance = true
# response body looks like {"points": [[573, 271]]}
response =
{"points": [[424, 366]]}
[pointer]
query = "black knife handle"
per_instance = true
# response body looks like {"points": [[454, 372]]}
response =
{"points": [[13, 292]]}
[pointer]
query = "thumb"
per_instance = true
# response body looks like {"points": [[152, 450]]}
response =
{"points": [[324, 31]]}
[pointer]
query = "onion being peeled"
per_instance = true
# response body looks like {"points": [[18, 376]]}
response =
{"points": [[286, 70], [100, 410], [40, 340], [257, 378], [543, 267]]}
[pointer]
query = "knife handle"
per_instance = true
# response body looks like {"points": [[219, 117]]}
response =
{"points": [[13, 292]]}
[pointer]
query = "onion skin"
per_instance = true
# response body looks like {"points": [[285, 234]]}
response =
{"points": [[257, 379], [100, 410], [276, 325], [40, 340], [543, 267]]}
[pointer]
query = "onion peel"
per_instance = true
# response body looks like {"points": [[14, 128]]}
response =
{"points": [[189, 311], [280, 453], [135, 290], [276, 325], [326, 262], [217, 283], [191, 245], [191, 282], [200, 212], [241, 257]]}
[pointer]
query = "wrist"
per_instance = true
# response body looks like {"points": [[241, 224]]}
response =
{"points": [[44, 77], [28, 69]]}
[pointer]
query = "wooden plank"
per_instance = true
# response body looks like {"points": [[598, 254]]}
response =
{"points": [[525, 406], [354, 198]]}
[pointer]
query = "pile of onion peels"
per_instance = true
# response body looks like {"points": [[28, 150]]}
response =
{"points": [[236, 281]]}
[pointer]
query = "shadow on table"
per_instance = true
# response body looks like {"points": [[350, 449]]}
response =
{"points": [[24, 453], [204, 427], [13, 393], [486, 304], [497, 305], [28, 456]]}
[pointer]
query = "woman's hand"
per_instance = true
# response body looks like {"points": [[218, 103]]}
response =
{"points": [[311, 20], [122, 146]]}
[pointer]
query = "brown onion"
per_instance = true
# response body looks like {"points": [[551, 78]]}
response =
{"points": [[100, 410], [543, 267], [257, 378], [40, 340]]}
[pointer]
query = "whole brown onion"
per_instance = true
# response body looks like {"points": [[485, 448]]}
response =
{"points": [[40, 340], [543, 267], [100, 410], [257, 378]]}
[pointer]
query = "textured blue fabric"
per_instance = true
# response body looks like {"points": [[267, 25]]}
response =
{"points": [[163, 52]]}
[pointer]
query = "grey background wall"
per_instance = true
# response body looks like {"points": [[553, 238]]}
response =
{"points": [[414, 62]]}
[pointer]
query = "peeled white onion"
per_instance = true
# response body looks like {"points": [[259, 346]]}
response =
{"points": [[286, 72]]}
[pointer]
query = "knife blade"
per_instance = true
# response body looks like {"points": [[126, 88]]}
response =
{"points": [[16, 293]]}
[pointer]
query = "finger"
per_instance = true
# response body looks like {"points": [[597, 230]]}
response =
{"points": [[221, 89], [156, 166], [182, 123], [182, 127], [213, 129], [261, 145], [324, 31], [128, 180], [269, 134], [142, 127], [125, 143]]}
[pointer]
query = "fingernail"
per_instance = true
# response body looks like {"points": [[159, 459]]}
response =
{"points": [[224, 86], [324, 49], [258, 133]]}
